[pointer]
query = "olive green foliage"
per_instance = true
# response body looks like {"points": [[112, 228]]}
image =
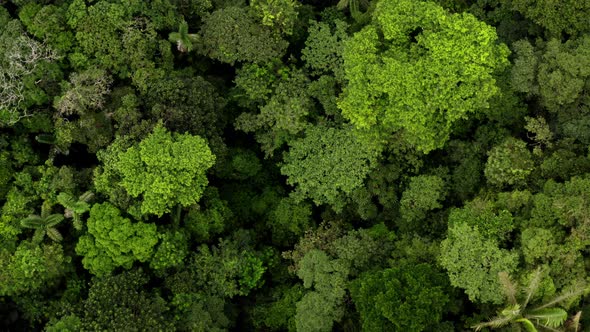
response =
{"points": [[279, 14], [570, 16], [328, 164], [232, 35], [509, 163], [403, 298], [414, 78], [473, 263], [31, 268], [285, 165], [324, 48], [114, 241], [283, 99], [121, 303], [165, 169], [424, 194]]}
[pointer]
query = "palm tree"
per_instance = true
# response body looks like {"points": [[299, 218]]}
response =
{"points": [[184, 40], [354, 7], [75, 208], [44, 224], [545, 317]]}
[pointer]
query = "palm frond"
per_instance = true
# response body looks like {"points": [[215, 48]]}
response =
{"points": [[53, 220], [533, 286], [342, 4], [574, 322], [80, 207], [54, 234], [508, 286], [66, 200], [578, 291], [86, 197], [528, 325], [551, 317], [494, 323], [32, 221], [38, 236]]}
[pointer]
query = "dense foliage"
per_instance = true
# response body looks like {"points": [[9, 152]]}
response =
{"points": [[294, 165]]}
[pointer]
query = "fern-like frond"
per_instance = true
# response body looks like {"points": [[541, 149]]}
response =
{"points": [[38, 236], [32, 221], [66, 200], [81, 207], [54, 234], [533, 286], [495, 322], [550, 317], [528, 325], [508, 286], [578, 291], [573, 324], [53, 220], [86, 197]]}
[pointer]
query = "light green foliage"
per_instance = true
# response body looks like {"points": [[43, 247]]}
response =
{"points": [[171, 250], [491, 221], [113, 241], [429, 70], [328, 164], [165, 169], [121, 303], [232, 35], [570, 16], [403, 298], [279, 14], [424, 194], [284, 104], [538, 245], [324, 48], [75, 208], [316, 312], [509, 163], [31, 268], [473, 263]]}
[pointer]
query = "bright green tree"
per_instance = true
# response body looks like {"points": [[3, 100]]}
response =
{"points": [[114, 241], [163, 170], [419, 69]]}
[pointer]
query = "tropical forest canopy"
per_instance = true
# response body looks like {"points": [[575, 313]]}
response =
{"points": [[294, 165]]}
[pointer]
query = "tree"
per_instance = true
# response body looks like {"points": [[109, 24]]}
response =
{"points": [[279, 14], [408, 297], [232, 35], [114, 241], [328, 164], [184, 41], [429, 70], [324, 48], [545, 316], [74, 208], [424, 194], [164, 169], [473, 263], [569, 17], [44, 224], [509, 163]]}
